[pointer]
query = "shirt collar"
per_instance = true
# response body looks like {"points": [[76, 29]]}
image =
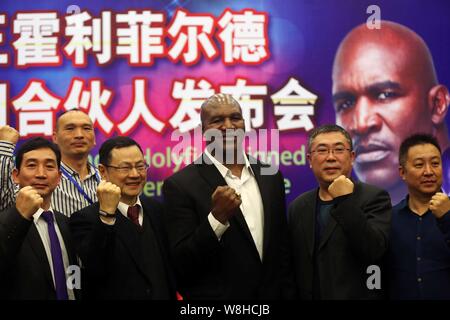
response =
{"points": [[72, 172], [403, 206], [39, 212], [224, 170], [123, 207]]}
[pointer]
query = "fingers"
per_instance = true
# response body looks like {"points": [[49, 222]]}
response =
{"points": [[226, 192], [28, 201], [108, 196], [9, 134]]}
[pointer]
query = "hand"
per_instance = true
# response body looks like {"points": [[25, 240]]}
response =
{"points": [[341, 186], [28, 201], [439, 204], [108, 196], [225, 202], [9, 134]]}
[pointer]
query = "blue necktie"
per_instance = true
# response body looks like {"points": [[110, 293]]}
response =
{"points": [[57, 259]]}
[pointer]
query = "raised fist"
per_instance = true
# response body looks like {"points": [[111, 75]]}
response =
{"points": [[108, 196], [9, 134], [225, 202], [439, 204], [341, 186], [28, 201]]}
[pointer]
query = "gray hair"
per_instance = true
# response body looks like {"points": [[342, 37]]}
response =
{"points": [[327, 128]]}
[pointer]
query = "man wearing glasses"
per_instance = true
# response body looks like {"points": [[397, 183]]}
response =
{"points": [[119, 238], [340, 229]]}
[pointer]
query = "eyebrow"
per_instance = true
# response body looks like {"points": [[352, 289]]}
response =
{"points": [[375, 87], [332, 145], [425, 158], [343, 95], [37, 160], [380, 86]]}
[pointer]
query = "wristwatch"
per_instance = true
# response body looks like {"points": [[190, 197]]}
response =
{"points": [[106, 214]]}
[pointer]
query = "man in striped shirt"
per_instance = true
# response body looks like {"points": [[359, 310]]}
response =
{"points": [[74, 134]]}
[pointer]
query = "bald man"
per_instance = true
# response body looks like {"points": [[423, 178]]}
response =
{"points": [[226, 219], [385, 88]]}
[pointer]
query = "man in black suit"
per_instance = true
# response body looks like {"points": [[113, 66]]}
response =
{"points": [[119, 238], [226, 219], [36, 252], [340, 229]]}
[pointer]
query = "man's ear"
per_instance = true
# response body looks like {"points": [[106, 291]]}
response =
{"points": [[102, 170], [438, 100], [15, 176], [308, 156], [54, 137], [401, 172]]}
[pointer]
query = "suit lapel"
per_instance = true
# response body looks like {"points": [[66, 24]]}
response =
{"points": [[213, 177], [332, 222], [266, 196], [38, 247], [130, 237], [309, 225], [153, 225]]}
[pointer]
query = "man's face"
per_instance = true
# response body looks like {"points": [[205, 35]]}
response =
{"points": [[330, 157], [380, 100], [228, 119], [39, 169], [127, 170], [422, 171], [74, 134]]}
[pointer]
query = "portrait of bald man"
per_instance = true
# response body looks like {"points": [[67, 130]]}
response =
{"points": [[385, 88]]}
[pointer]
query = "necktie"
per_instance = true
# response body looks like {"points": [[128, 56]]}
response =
{"points": [[133, 214], [57, 260]]}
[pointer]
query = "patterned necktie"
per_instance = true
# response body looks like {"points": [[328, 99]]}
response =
{"points": [[133, 214], [57, 259]]}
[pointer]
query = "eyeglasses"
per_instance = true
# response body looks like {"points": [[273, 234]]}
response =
{"points": [[324, 151], [141, 168]]}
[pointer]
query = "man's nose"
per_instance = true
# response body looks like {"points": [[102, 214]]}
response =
{"points": [[41, 171], [365, 118], [428, 170], [227, 124]]}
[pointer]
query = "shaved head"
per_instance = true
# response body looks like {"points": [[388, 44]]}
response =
{"points": [[215, 101], [400, 42]]}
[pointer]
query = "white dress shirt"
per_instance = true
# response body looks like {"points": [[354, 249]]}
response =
{"points": [[251, 206], [42, 227]]}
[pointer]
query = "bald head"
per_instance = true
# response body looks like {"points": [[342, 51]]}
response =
{"points": [[394, 41], [215, 101]]}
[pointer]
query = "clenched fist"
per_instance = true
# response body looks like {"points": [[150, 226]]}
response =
{"points": [[341, 186], [439, 204], [108, 196], [28, 201], [225, 202], [9, 134]]}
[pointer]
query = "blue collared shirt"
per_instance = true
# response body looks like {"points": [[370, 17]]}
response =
{"points": [[419, 255]]}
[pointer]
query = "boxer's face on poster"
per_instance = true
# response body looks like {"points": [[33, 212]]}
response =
{"points": [[379, 99]]}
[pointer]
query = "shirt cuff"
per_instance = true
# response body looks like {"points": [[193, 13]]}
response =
{"points": [[108, 221], [218, 228], [7, 148]]}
